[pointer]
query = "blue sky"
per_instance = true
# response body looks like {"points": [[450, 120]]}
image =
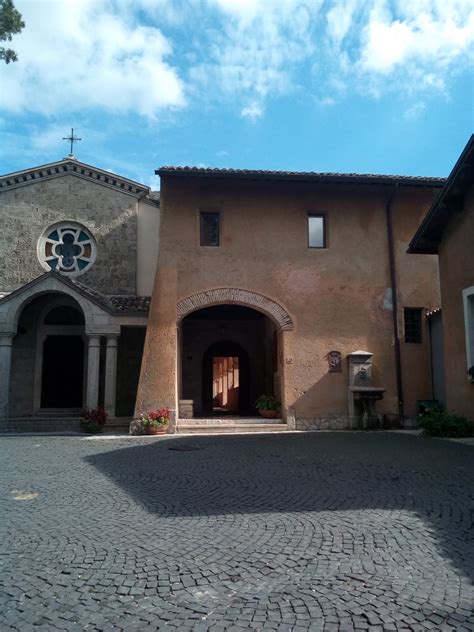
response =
{"points": [[368, 86]]}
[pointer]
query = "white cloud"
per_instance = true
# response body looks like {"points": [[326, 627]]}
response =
{"points": [[414, 111], [146, 57], [263, 49], [339, 19], [252, 112], [82, 54], [254, 51], [419, 44], [326, 101]]}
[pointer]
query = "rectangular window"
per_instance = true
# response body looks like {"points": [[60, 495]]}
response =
{"points": [[413, 324], [209, 229], [316, 231]]}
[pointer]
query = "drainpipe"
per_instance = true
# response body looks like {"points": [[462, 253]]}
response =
{"points": [[393, 283]]}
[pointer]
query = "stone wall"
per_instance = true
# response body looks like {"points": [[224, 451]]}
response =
{"points": [[23, 362], [109, 214], [341, 422]]}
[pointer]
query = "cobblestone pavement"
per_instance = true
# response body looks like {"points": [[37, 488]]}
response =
{"points": [[330, 531]]}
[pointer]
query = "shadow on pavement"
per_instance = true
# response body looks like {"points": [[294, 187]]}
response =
{"points": [[306, 473]]}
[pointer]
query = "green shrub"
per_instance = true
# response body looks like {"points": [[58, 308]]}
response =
{"points": [[438, 423]]}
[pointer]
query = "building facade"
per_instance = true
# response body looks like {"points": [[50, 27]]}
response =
{"points": [[448, 231], [285, 275], [260, 283], [79, 248]]}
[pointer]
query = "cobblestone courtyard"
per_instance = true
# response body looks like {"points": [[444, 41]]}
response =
{"points": [[330, 531]]}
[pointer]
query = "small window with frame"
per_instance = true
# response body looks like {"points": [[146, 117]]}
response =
{"points": [[209, 228], [316, 231], [413, 324]]}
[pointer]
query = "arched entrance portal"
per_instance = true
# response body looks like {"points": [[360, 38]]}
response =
{"points": [[229, 357], [49, 356], [62, 370]]}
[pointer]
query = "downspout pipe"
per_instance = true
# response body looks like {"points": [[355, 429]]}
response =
{"points": [[393, 283]]}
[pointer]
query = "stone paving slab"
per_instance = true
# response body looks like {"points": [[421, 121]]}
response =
{"points": [[302, 531]]}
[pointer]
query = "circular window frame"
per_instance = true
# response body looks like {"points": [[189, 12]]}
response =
{"points": [[86, 257]]}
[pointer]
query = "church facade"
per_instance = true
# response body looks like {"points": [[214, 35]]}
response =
{"points": [[226, 286], [79, 247]]}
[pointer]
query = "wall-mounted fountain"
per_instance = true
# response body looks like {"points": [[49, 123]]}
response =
{"points": [[362, 393]]}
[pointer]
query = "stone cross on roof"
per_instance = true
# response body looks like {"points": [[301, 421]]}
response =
{"points": [[72, 139]]}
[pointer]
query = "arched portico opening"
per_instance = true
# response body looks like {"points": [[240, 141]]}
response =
{"points": [[48, 356], [228, 357]]}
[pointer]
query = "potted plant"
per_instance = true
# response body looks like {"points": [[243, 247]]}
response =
{"points": [[93, 420], [156, 422], [268, 406]]}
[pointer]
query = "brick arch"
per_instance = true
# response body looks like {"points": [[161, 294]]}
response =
{"points": [[236, 296]]}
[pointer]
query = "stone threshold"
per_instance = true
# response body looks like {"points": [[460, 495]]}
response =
{"points": [[228, 421], [230, 425]]}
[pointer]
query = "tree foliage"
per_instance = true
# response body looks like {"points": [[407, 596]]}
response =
{"points": [[10, 24]]}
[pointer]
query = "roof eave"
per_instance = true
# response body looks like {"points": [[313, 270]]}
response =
{"points": [[71, 166], [322, 178], [437, 218]]}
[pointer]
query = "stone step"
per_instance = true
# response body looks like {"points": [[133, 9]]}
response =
{"points": [[229, 426], [56, 424], [229, 421]]}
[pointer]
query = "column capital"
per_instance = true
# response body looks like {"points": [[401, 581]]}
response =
{"points": [[6, 339], [112, 340], [93, 340]]}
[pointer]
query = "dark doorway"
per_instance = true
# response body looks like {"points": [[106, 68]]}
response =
{"points": [[62, 372], [222, 393]]}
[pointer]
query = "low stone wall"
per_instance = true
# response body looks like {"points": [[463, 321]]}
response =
{"points": [[343, 422], [323, 423]]}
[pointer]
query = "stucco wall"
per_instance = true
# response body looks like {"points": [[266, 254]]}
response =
{"points": [[456, 261], [110, 215], [334, 295], [148, 233]]}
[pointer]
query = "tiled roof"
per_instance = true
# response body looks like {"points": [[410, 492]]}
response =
{"points": [[313, 176], [135, 304], [117, 303], [114, 304]]}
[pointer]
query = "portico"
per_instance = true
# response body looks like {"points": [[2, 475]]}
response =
{"points": [[59, 349]]}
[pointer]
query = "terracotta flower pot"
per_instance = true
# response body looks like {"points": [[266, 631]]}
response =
{"points": [[268, 414], [156, 430]]}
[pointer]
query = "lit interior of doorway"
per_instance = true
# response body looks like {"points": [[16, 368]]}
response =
{"points": [[225, 383]]}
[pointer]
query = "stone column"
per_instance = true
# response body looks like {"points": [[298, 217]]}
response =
{"points": [[110, 374], [93, 362], [6, 341]]}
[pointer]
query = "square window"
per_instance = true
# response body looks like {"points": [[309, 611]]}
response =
{"points": [[209, 229], [316, 231], [413, 324]]}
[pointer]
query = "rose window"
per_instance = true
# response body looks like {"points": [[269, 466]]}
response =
{"points": [[67, 247]]}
